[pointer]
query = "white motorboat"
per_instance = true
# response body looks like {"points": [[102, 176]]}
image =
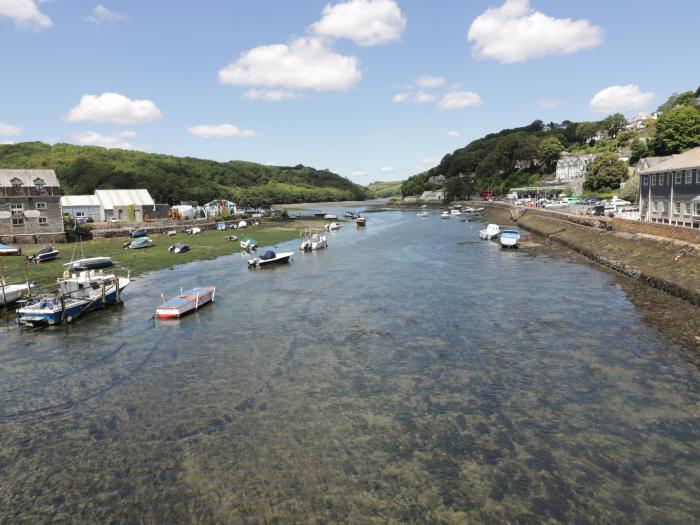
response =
{"points": [[332, 226], [269, 258], [47, 254], [361, 221], [89, 263], [185, 302], [194, 230], [313, 241], [445, 215], [179, 248], [422, 214], [455, 211], [9, 250], [10, 293], [509, 238], [330, 216], [490, 232], [171, 233]]}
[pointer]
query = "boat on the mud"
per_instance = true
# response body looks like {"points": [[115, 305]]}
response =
{"points": [[77, 294], [230, 238], [269, 258], [490, 232], [312, 241], [331, 216], [185, 302], [179, 248], [89, 263], [509, 238], [332, 226], [455, 212], [138, 243], [249, 244], [45, 254], [9, 250]]}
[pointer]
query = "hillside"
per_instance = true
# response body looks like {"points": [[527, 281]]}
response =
{"points": [[382, 190], [170, 179]]}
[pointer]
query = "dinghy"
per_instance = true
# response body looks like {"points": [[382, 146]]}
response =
{"points": [[249, 244], [9, 250], [10, 293], [422, 214], [185, 302]]}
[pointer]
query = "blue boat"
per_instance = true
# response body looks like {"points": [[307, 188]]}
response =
{"points": [[77, 295]]}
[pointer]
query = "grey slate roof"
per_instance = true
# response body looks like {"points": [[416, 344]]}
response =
{"points": [[689, 159], [28, 177]]}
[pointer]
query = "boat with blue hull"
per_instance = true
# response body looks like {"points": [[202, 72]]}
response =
{"points": [[77, 294]]}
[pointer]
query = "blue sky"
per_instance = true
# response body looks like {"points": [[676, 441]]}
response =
{"points": [[196, 78]]}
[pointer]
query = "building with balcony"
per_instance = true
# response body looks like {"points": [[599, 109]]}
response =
{"points": [[30, 206]]}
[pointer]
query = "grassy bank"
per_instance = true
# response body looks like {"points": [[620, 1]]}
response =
{"points": [[205, 245]]}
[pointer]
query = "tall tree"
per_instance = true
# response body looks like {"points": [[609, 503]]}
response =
{"points": [[687, 98], [455, 189], [605, 172], [548, 153], [613, 124], [585, 131], [676, 130], [638, 149]]}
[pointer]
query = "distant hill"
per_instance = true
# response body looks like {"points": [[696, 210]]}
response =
{"points": [[170, 179], [383, 190]]}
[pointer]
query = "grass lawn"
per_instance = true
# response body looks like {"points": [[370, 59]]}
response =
{"points": [[205, 245]]}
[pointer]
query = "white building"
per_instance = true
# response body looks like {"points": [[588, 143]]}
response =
{"points": [[572, 167], [125, 205], [438, 195], [639, 121], [82, 207]]}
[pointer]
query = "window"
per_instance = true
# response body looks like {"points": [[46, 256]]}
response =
{"points": [[16, 184], [17, 208], [696, 208], [696, 176], [678, 208], [688, 176], [653, 179], [39, 184], [43, 220], [41, 206], [80, 214], [645, 180], [18, 221], [677, 177], [661, 179]]}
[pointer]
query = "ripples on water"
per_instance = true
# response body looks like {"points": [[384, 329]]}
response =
{"points": [[397, 375]]}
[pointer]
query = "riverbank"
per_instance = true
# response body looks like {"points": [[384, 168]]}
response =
{"points": [[205, 245]]}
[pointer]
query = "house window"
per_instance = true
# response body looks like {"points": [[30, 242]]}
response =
{"points": [[39, 184], [661, 179], [17, 221], [16, 184], [653, 179], [696, 208], [645, 180], [43, 220], [80, 214], [41, 206], [678, 207], [17, 208], [688, 176], [677, 177]]}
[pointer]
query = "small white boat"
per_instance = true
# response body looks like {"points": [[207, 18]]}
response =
{"points": [[47, 254], [249, 244], [185, 302], [193, 231], [170, 233], [422, 214], [10, 293], [179, 248], [455, 212], [313, 241], [332, 226], [330, 216], [9, 250], [490, 232], [509, 238], [445, 215], [424, 206], [269, 258], [89, 263], [361, 221]]}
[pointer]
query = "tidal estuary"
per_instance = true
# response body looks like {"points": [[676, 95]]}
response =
{"points": [[396, 377]]}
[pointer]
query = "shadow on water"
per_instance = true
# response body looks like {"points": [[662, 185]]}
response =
{"points": [[396, 376]]}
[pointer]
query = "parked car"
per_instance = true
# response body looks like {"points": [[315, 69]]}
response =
{"points": [[590, 200]]}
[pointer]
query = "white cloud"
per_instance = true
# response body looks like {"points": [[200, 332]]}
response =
{"points": [[459, 100], [423, 98], [454, 134], [221, 131], [117, 140], [514, 32], [419, 97], [270, 95], [365, 22], [114, 108], [8, 130], [428, 82], [101, 15], [304, 63], [620, 98], [386, 169], [401, 97], [25, 13], [550, 103], [359, 173]]}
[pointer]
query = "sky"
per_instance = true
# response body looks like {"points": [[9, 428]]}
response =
{"points": [[370, 89]]}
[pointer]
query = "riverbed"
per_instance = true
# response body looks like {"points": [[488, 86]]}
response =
{"points": [[407, 373]]}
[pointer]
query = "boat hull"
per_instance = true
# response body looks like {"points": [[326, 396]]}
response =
{"points": [[185, 303]]}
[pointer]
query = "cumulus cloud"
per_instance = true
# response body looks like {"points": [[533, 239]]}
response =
{"points": [[25, 14], [514, 32], [386, 169], [101, 15], [8, 130], [365, 22], [428, 81], [401, 97], [221, 131], [419, 97], [117, 140], [459, 100], [620, 98], [304, 63], [270, 95], [454, 134], [550, 103], [114, 108]]}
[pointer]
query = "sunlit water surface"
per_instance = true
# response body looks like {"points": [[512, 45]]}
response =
{"points": [[398, 375]]}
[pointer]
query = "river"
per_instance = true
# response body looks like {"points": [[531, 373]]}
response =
{"points": [[398, 375]]}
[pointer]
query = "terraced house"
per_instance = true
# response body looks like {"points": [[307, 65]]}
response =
{"points": [[30, 207], [670, 190]]}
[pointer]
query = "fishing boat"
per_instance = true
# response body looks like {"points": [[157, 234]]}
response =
{"points": [[490, 232], [9, 250], [422, 214], [139, 242], [361, 221], [89, 263], [249, 244], [445, 215], [46, 254], [269, 258], [179, 248], [77, 294], [509, 238], [10, 293], [312, 241], [185, 302]]}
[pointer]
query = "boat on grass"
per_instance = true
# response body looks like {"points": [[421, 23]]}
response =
{"points": [[77, 294], [490, 232], [249, 244], [269, 258], [185, 302], [11, 293], [194, 230], [509, 238], [179, 248], [45, 254], [9, 250], [89, 263], [137, 233], [139, 242]]}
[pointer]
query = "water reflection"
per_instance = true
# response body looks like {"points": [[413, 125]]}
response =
{"points": [[397, 375]]}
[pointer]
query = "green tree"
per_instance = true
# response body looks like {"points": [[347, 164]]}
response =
{"points": [[606, 171], [585, 131], [613, 124], [638, 149], [548, 153], [455, 189], [631, 190], [687, 98], [677, 129]]}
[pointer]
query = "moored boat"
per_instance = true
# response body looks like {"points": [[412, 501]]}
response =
{"points": [[455, 211], [179, 248], [331, 216], [46, 254], [185, 302], [139, 242], [361, 221], [445, 215], [9, 250], [137, 233], [332, 226], [509, 238], [312, 241], [269, 258], [249, 244], [10, 293], [422, 214], [490, 232], [89, 263]]}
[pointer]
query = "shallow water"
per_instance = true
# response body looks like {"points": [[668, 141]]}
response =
{"points": [[396, 376]]}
